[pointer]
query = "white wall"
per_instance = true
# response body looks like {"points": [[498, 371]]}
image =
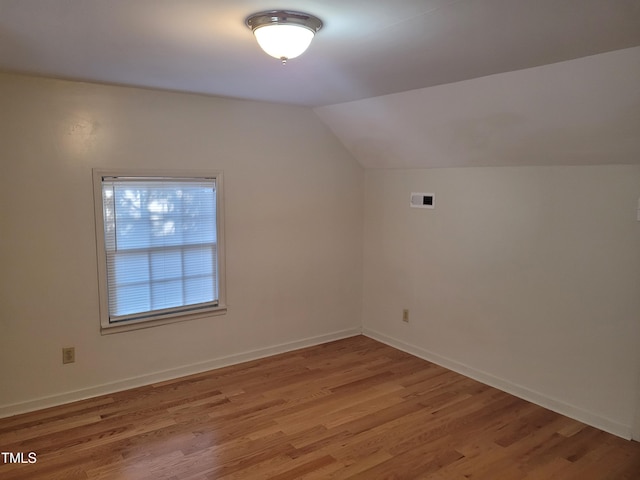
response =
{"points": [[293, 232], [527, 278]]}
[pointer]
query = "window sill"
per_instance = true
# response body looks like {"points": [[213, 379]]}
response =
{"points": [[140, 324]]}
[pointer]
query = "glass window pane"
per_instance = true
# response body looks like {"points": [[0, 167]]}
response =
{"points": [[166, 294], [133, 229], [166, 264], [164, 209], [199, 290], [198, 261], [131, 268], [199, 220], [132, 299]]}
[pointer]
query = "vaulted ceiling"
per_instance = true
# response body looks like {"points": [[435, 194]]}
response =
{"points": [[367, 49]]}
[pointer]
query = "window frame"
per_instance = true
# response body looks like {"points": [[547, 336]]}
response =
{"points": [[107, 327]]}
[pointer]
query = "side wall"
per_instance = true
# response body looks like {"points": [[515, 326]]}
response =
{"points": [[293, 198], [526, 278]]}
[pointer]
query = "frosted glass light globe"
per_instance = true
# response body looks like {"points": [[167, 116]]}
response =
{"points": [[283, 41]]}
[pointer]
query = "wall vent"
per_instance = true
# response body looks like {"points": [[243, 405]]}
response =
{"points": [[422, 200]]}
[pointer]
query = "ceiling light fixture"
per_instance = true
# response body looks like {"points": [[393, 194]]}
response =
{"points": [[283, 34]]}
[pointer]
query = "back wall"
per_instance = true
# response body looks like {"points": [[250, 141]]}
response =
{"points": [[293, 199]]}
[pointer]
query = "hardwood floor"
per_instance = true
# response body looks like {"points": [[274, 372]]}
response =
{"points": [[353, 409]]}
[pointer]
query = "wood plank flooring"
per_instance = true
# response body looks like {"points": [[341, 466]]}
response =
{"points": [[351, 409]]}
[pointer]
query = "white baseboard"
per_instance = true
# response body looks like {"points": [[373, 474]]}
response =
{"points": [[541, 399], [125, 384]]}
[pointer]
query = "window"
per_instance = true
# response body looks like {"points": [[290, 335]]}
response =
{"points": [[160, 248]]}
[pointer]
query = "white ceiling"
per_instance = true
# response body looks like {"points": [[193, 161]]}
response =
{"points": [[367, 48], [579, 112]]}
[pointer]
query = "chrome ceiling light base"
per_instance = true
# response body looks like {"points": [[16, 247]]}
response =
{"points": [[283, 34]]}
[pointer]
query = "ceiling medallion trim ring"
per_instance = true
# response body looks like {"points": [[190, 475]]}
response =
{"points": [[283, 17]]}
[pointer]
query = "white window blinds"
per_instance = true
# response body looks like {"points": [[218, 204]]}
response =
{"points": [[161, 246]]}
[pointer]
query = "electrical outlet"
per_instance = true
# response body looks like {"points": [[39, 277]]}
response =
{"points": [[405, 315], [68, 355]]}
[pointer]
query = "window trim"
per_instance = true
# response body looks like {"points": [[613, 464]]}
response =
{"points": [[107, 327]]}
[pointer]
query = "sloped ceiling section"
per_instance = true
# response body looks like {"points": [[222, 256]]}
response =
{"points": [[579, 112]]}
